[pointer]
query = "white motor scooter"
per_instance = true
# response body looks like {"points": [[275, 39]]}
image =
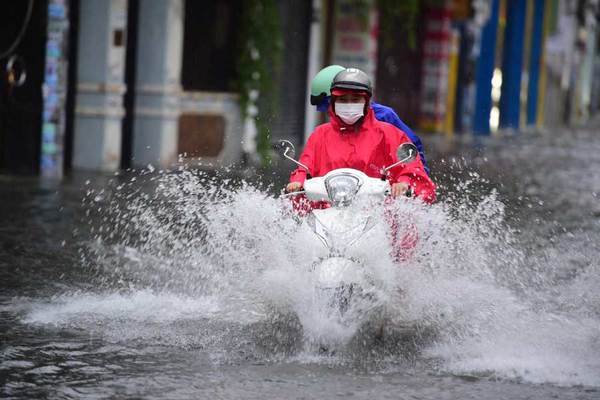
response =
{"points": [[340, 279]]}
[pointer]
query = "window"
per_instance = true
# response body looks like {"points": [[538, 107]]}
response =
{"points": [[209, 45]]}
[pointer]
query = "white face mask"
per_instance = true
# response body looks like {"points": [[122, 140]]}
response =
{"points": [[349, 112]]}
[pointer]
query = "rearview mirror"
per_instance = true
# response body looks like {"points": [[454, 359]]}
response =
{"points": [[407, 152], [285, 147], [287, 150]]}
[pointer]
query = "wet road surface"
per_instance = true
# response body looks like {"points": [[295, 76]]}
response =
{"points": [[111, 291]]}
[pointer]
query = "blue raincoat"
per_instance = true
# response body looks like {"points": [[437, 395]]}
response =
{"points": [[387, 114]]}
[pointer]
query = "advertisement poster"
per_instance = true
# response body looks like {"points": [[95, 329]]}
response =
{"points": [[436, 55], [355, 35], [55, 90]]}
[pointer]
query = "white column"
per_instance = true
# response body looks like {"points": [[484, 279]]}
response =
{"points": [[315, 62], [587, 65], [100, 85], [158, 88]]}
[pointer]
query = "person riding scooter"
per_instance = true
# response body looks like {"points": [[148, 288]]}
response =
{"points": [[354, 138], [320, 97]]}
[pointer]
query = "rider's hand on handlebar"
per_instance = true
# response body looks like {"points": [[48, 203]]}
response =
{"points": [[293, 187], [399, 189]]}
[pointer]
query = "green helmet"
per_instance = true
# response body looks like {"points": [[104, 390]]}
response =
{"points": [[320, 87]]}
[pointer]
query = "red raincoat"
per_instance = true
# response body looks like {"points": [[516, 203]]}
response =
{"points": [[367, 147]]}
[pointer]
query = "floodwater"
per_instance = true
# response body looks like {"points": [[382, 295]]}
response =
{"points": [[182, 284]]}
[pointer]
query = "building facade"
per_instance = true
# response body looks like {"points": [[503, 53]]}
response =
{"points": [[105, 85]]}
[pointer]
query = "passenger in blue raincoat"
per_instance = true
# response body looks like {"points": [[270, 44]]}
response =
{"points": [[320, 94]]}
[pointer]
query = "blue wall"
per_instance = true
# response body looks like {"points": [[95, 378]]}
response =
{"points": [[512, 63], [534, 61], [484, 73]]}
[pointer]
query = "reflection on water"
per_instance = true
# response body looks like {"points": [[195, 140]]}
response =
{"points": [[184, 284]]}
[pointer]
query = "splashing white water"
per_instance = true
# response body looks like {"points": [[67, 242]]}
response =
{"points": [[189, 247]]}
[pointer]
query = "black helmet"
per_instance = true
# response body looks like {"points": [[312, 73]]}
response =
{"points": [[353, 79]]}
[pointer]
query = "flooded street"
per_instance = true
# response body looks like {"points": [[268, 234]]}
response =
{"points": [[186, 285]]}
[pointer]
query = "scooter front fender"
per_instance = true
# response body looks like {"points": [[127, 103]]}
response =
{"points": [[335, 272]]}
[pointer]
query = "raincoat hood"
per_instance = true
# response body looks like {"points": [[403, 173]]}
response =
{"points": [[340, 126], [364, 123]]}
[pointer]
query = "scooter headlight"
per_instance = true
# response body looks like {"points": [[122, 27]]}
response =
{"points": [[341, 189]]}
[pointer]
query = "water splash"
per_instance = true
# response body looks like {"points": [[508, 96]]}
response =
{"points": [[190, 259]]}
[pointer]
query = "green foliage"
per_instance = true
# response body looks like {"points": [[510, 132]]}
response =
{"points": [[404, 13], [259, 59]]}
